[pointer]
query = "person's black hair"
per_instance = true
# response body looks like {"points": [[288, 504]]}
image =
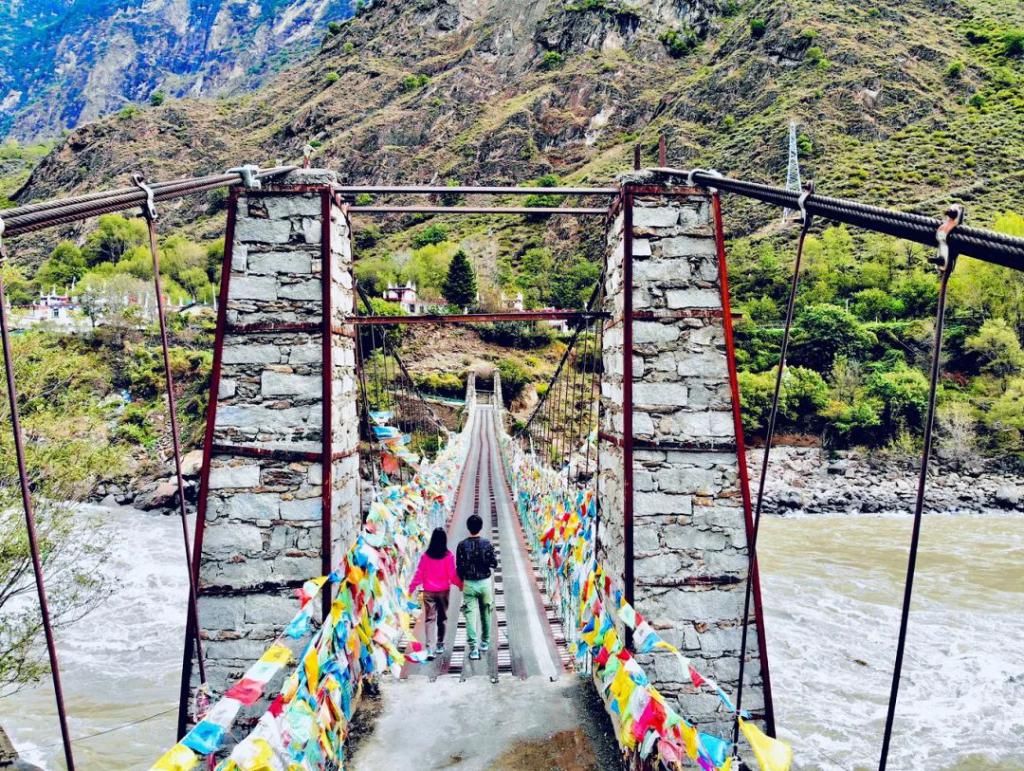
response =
{"points": [[438, 544], [475, 524]]}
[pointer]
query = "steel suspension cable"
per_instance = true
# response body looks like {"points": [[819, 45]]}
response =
{"points": [[30, 520], [149, 213], [769, 437], [947, 262]]}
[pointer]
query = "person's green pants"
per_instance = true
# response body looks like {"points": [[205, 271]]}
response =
{"points": [[477, 602]]}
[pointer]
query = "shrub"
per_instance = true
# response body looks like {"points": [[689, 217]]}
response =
{"points": [[128, 111], [808, 36], [431, 234], [728, 122], [444, 383], [513, 379], [758, 27], [1013, 43], [954, 70], [678, 42], [977, 101], [331, 78], [414, 82], [516, 334], [551, 60], [334, 27], [903, 393], [157, 98]]}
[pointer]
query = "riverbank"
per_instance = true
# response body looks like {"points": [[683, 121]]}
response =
{"points": [[802, 480]]}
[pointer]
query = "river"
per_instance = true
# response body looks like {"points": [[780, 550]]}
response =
{"points": [[832, 587]]}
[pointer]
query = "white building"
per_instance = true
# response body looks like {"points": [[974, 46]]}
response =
{"points": [[407, 297]]}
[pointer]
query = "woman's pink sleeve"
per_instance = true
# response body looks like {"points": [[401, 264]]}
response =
{"points": [[417, 577]]}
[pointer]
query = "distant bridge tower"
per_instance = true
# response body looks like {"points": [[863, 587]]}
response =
{"points": [[793, 171]]}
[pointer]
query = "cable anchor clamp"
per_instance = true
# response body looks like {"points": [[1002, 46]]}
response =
{"points": [[691, 182], [248, 173], [954, 218], [149, 207], [801, 202]]}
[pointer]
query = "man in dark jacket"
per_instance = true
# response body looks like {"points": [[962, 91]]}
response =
{"points": [[474, 561]]}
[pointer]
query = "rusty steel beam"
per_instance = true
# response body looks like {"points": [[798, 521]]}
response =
{"points": [[472, 190], [470, 318], [523, 210], [327, 401]]}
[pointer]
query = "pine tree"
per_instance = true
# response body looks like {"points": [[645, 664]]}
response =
{"points": [[460, 285]]}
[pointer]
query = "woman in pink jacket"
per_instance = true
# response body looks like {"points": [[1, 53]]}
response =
{"points": [[436, 574]]}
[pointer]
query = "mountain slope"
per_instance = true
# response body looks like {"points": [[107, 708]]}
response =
{"points": [[908, 104], [63, 63]]}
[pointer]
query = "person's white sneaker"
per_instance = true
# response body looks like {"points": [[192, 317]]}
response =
{"points": [[474, 654]]}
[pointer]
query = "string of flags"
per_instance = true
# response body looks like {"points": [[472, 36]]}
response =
{"points": [[561, 525], [370, 619]]}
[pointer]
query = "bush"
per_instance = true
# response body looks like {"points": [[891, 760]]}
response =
{"points": [[516, 334], [876, 305], [363, 199], [678, 42], [803, 394], [157, 98], [513, 379], [444, 383], [334, 27], [414, 82], [903, 393], [551, 60], [815, 55], [977, 101], [431, 234], [758, 27], [331, 78], [954, 70], [1013, 43], [128, 111]]}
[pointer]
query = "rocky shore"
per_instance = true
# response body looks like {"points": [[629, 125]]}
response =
{"points": [[809, 480], [801, 480]]}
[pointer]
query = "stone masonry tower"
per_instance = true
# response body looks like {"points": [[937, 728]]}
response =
{"points": [[674, 506], [279, 498]]}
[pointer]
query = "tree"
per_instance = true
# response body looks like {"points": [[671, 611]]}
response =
{"points": [[572, 286], [460, 286], [114, 236], [59, 385], [64, 267], [825, 332], [997, 349], [903, 392]]}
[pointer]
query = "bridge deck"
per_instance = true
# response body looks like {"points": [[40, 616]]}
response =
{"points": [[518, 701]]}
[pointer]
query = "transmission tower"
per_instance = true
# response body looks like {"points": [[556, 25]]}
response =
{"points": [[793, 172]]}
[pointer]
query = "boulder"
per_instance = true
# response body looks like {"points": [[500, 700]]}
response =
{"points": [[192, 463], [1007, 496], [160, 495]]}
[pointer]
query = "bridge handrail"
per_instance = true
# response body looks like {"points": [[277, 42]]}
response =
{"points": [[561, 525]]}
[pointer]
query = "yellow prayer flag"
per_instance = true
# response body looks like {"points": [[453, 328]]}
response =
{"points": [[177, 758], [771, 754], [312, 665], [689, 740], [277, 654]]}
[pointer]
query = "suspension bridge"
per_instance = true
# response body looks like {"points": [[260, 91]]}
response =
{"points": [[621, 509]]}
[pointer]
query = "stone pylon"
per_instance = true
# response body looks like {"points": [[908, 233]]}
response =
{"points": [[279, 494], [676, 525]]}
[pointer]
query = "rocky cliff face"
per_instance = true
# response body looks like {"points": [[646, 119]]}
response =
{"points": [[63, 63], [908, 103]]}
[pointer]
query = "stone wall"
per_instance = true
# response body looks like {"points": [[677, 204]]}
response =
{"points": [[264, 497], [689, 530]]}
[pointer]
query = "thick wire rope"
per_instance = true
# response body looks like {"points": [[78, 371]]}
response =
{"points": [[149, 213], [948, 263], [769, 437], [30, 522]]}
